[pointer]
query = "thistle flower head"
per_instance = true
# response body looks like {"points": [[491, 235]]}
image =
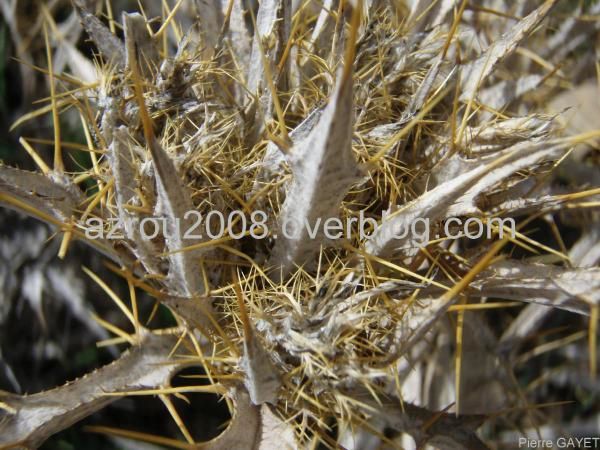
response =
{"points": [[335, 186]]}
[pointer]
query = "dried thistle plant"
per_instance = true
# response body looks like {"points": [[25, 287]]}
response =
{"points": [[309, 111]]}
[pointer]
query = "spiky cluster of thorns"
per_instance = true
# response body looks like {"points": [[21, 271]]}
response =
{"points": [[396, 109]]}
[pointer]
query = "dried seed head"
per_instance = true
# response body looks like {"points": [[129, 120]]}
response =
{"points": [[276, 113]]}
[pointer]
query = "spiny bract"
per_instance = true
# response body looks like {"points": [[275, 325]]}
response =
{"points": [[307, 111]]}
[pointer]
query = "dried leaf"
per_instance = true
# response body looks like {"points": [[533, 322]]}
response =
{"points": [[274, 159], [173, 203], [457, 196], [239, 35], [270, 38], [571, 33], [320, 31], [38, 416], [487, 138], [211, 19], [140, 45], [123, 169], [262, 379], [109, 45], [573, 290], [276, 434], [501, 94], [475, 72], [527, 322], [425, 88], [524, 206], [323, 169], [439, 429], [40, 192], [253, 428], [586, 251], [244, 430], [81, 67], [54, 201]]}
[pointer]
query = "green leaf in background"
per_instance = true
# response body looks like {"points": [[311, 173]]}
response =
{"points": [[86, 357]]}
